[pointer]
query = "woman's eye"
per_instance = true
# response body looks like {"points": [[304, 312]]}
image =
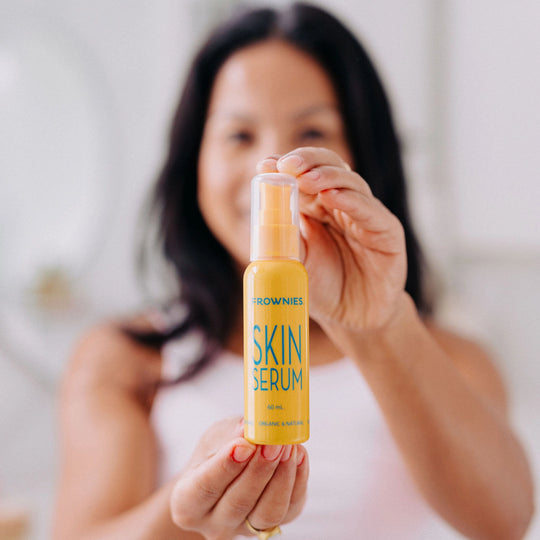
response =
{"points": [[312, 134], [241, 137]]}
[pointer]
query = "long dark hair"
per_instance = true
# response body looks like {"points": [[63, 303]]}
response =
{"points": [[210, 285]]}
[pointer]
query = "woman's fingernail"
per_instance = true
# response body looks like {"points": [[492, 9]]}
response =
{"points": [[266, 165], [287, 450], [270, 452], [291, 163], [300, 456], [242, 453]]}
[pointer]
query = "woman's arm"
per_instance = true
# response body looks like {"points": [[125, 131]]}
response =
{"points": [[108, 471], [445, 406], [442, 399]]}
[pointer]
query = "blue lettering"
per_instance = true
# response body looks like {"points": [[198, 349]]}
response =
{"points": [[261, 382], [288, 379], [268, 344], [255, 384], [256, 343], [277, 301], [297, 379], [264, 388], [297, 346], [274, 378], [282, 344]]}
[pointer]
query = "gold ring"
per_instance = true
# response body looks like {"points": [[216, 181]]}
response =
{"points": [[263, 534]]}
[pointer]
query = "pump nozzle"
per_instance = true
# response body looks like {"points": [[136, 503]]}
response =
{"points": [[274, 217], [275, 204]]}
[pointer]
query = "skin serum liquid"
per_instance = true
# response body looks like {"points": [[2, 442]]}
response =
{"points": [[276, 321]]}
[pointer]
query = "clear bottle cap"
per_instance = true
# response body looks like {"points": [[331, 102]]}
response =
{"points": [[274, 217]]}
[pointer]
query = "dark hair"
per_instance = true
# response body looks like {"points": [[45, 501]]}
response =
{"points": [[210, 284]]}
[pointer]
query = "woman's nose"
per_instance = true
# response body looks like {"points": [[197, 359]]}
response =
{"points": [[273, 145]]}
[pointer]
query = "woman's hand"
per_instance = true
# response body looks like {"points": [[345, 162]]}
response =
{"points": [[354, 246], [229, 479]]}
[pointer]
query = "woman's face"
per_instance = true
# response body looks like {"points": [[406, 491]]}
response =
{"points": [[268, 98]]}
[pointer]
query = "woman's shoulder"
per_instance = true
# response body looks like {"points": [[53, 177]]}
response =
{"points": [[473, 360], [106, 357]]}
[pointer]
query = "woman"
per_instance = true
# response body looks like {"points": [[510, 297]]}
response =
{"points": [[405, 415]]}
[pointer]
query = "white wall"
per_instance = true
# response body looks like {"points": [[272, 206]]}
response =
{"points": [[493, 163], [87, 89], [464, 80]]}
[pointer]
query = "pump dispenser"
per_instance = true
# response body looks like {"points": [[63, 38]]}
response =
{"points": [[274, 217], [276, 322]]}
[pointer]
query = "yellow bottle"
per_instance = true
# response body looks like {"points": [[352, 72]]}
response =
{"points": [[276, 322]]}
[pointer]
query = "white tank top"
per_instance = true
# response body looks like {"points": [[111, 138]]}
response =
{"points": [[358, 485]]}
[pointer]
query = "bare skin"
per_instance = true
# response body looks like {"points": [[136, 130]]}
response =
{"points": [[440, 395]]}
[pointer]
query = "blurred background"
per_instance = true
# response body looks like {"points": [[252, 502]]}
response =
{"points": [[86, 93]]}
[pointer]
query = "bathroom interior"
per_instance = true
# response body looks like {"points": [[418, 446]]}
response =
{"points": [[86, 93]]}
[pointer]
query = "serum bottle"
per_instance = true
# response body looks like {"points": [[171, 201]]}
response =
{"points": [[276, 321]]}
